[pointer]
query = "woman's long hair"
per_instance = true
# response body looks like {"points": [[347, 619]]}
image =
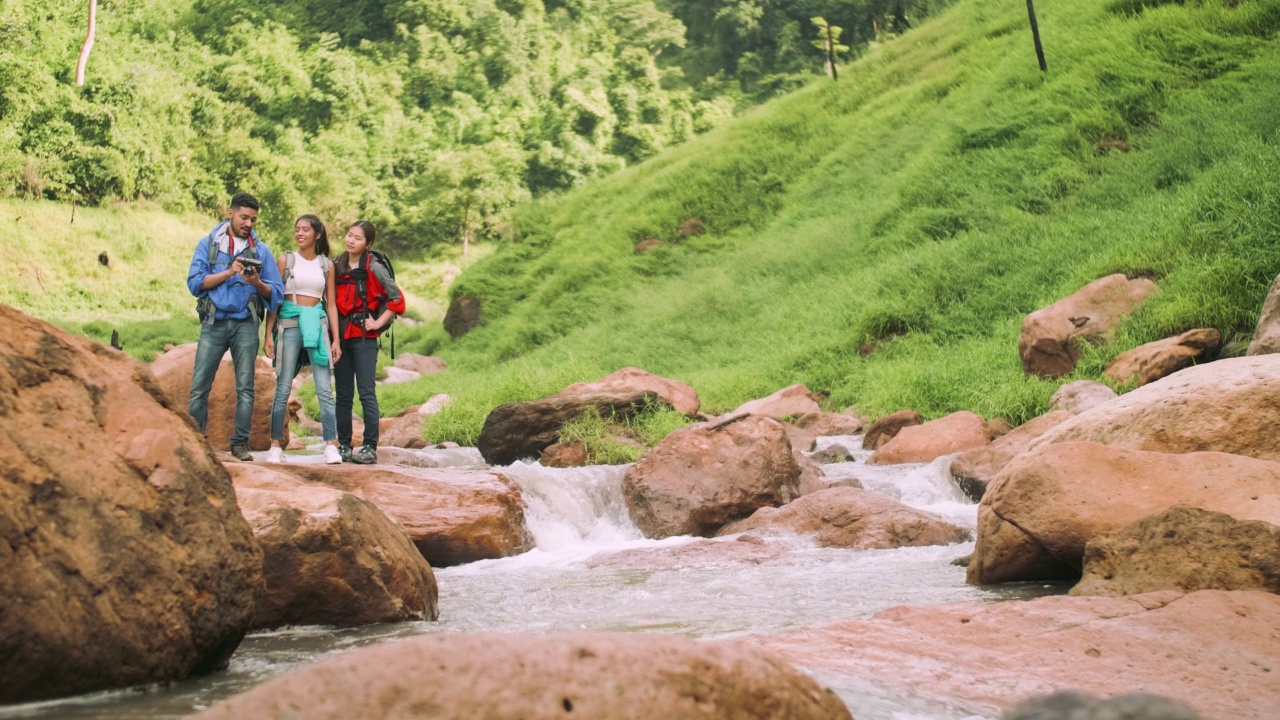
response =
{"points": [[343, 263], [322, 235]]}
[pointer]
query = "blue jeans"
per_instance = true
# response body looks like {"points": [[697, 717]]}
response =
{"points": [[288, 353], [357, 367], [216, 338]]}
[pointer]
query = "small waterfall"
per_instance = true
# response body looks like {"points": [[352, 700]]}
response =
{"points": [[574, 508]]}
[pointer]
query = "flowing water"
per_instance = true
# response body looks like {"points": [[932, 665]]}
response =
{"points": [[577, 580]]}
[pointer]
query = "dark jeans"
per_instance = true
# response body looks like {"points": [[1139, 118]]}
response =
{"points": [[357, 367], [216, 338]]}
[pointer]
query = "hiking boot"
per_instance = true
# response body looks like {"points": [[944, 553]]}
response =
{"points": [[367, 455], [344, 453], [332, 456], [241, 453], [275, 454]]}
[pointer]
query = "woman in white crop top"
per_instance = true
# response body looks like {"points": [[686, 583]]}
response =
{"points": [[306, 328]]}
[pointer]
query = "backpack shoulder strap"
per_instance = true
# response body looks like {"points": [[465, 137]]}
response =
{"points": [[288, 267]]}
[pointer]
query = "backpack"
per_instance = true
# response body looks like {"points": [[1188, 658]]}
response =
{"points": [[362, 289], [204, 304]]}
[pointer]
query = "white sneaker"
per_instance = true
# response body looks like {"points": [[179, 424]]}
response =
{"points": [[331, 455], [275, 455]]}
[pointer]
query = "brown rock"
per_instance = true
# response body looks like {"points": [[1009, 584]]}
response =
{"points": [[1200, 648], [1008, 554], [1150, 362], [404, 456], [1266, 338], [173, 369], [330, 558], [887, 427], [1228, 406], [453, 516], [789, 402], [421, 364], [646, 245], [827, 423], [564, 455], [1081, 395], [678, 395], [696, 554], [524, 429], [404, 431], [125, 559], [832, 454], [1067, 494], [846, 517], [975, 469], [1049, 342], [998, 428], [691, 227], [701, 477], [623, 676], [1185, 549], [463, 316], [957, 432]]}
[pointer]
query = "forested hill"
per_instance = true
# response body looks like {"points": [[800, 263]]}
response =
{"points": [[880, 238], [429, 117]]}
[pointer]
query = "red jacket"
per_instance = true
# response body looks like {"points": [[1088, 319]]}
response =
{"points": [[355, 286]]}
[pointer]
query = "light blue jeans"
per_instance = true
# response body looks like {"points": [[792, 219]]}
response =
{"points": [[216, 338], [288, 351]]}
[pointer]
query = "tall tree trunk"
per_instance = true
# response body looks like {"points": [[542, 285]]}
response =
{"points": [[88, 43], [466, 228], [1035, 34], [831, 50]]}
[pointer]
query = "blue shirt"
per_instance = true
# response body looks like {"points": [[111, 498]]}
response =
{"points": [[231, 298]]}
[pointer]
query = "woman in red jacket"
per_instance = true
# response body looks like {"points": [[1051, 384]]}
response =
{"points": [[368, 300]]}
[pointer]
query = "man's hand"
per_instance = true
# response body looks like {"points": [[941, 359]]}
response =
{"points": [[237, 268]]}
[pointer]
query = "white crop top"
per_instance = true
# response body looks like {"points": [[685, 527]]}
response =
{"points": [[307, 278]]}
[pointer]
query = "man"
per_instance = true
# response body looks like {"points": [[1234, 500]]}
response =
{"points": [[236, 282]]}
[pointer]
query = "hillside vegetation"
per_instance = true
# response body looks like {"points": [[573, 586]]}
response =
{"points": [[880, 238]]}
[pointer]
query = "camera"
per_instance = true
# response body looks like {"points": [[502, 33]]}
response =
{"points": [[251, 265]]}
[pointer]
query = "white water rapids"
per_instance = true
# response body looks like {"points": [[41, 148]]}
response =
{"points": [[578, 514]]}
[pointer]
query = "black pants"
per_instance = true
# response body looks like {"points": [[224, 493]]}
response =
{"points": [[356, 368]]}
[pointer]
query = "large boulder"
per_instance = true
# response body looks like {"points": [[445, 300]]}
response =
{"points": [[174, 368], [1064, 495], [852, 518], [955, 433], [125, 559], [1154, 360], [522, 430], [463, 316], [888, 427], [1183, 548], [704, 476], [1049, 343], [1080, 395], [1201, 648], [681, 397], [624, 676], [975, 469], [330, 558], [789, 402], [453, 516], [406, 429], [1266, 338], [1228, 406]]}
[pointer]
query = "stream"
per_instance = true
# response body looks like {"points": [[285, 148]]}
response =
{"points": [[577, 515]]}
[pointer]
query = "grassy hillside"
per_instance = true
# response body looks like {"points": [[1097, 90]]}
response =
{"points": [[921, 206]]}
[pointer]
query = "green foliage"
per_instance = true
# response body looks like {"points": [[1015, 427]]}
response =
{"points": [[615, 440]]}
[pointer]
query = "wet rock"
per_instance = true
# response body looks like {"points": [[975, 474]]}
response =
{"points": [[631, 380], [1200, 648], [125, 559], [1067, 705], [789, 402], [453, 516], [975, 469], [388, 455], [1081, 395], [823, 424], [1064, 495], [330, 558], [624, 676], [701, 477], [846, 517], [957, 432], [565, 455], [832, 454], [1186, 549], [421, 364], [524, 429], [1049, 343], [1266, 338], [696, 554], [888, 427], [1228, 406], [173, 371], [1150, 362]]}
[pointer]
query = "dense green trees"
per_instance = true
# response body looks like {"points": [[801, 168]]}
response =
{"points": [[427, 116]]}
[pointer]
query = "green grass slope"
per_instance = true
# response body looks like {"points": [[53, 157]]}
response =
{"points": [[922, 205]]}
